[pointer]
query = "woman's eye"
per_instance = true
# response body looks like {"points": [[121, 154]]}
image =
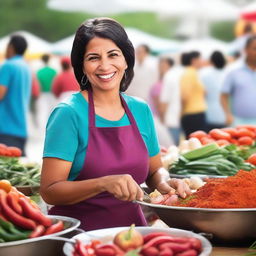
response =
{"points": [[93, 58], [113, 54]]}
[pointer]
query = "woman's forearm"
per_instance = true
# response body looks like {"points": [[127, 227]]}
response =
{"points": [[71, 192]]}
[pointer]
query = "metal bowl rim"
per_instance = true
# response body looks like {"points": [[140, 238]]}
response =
{"points": [[76, 223], [198, 209]]}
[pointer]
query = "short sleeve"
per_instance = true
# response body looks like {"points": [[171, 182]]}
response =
{"points": [[227, 83], [153, 145], [5, 75], [61, 140]]}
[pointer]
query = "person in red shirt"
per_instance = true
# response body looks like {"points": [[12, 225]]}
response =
{"points": [[65, 83]]}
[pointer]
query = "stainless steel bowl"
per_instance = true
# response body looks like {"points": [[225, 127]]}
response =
{"points": [[44, 245], [225, 226]]}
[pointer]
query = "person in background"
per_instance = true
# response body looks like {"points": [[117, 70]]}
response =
{"points": [[46, 101], [64, 84], [211, 78], [165, 139], [101, 144], [145, 73], [15, 92], [192, 96], [238, 96], [170, 102]]}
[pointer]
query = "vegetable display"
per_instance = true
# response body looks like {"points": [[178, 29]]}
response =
{"points": [[21, 218], [152, 244], [19, 174], [211, 160]]}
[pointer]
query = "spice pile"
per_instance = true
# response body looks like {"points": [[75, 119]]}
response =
{"points": [[233, 192]]}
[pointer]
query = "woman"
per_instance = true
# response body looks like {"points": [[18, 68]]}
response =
{"points": [[101, 143]]}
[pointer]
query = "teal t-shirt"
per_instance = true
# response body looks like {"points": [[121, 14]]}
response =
{"points": [[67, 129]]}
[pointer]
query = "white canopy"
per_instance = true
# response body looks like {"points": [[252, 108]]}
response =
{"points": [[205, 46], [157, 44], [36, 45]]}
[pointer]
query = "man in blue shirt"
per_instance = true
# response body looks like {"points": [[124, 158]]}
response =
{"points": [[239, 89], [15, 90]]}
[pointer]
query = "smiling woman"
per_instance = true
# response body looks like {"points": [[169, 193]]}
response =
{"points": [[100, 143]]}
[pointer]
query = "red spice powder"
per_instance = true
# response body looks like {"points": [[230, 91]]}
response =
{"points": [[237, 191]]}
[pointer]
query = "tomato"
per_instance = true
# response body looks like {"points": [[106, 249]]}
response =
{"points": [[222, 142], [252, 159], [14, 151], [218, 134], [231, 131], [245, 132], [246, 140], [2, 145], [5, 185], [233, 141], [206, 140], [198, 134]]}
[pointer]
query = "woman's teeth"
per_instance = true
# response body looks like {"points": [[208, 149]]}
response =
{"points": [[106, 76]]}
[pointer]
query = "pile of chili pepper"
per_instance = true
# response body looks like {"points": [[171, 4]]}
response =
{"points": [[233, 192], [155, 243], [20, 218]]}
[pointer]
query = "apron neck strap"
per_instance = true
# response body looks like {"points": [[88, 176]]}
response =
{"points": [[92, 110]]}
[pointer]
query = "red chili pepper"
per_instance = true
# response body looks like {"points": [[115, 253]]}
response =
{"points": [[105, 251], [14, 217], [80, 248], [13, 201], [57, 227], [190, 252], [148, 237], [150, 251], [176, 247], [38, 231], [33, 213], [166, 252], [161, 239], [195, 244]]}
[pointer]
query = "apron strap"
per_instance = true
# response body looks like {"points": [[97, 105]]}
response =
{"points": [[92, 110]]}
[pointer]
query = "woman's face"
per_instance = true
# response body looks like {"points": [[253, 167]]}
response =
{"points": [[104, 64]]}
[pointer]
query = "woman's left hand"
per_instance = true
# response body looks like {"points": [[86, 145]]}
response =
{"points": [[174, 186]]}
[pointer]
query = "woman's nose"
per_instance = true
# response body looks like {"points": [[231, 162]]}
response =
{"points": [[104, 63]]}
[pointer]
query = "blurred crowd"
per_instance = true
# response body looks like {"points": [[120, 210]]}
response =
{"points": [[185, 92]]}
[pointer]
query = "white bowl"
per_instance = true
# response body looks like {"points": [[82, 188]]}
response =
{"points": [[107, 235]]}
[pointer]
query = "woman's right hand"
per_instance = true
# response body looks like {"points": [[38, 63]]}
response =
{"points": [[123, 187]]}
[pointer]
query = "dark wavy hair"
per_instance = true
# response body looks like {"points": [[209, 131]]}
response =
{"points": [[103, 28]]}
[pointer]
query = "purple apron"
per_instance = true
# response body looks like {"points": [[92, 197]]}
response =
{"points": [[110, 151]]}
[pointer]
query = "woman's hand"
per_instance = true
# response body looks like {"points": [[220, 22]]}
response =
{"points": [[123, 187]]}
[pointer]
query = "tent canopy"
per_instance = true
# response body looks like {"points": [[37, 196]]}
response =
{"points": [[36, 45], [137, 37]]}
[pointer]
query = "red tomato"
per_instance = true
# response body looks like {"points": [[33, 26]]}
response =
{"points": [[246, 140], [233, 141], [218, 134], [14, 151], [206, 140], [245, 132], [222, 142], [2, 145], [198, 134], [252, 159], [230, 130]]}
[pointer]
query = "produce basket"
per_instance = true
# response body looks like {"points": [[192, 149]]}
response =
{"points": [[221, 226], [43, 245]]}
